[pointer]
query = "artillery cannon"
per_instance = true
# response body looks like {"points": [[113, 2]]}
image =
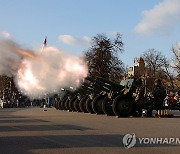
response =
{"points": [[117, 98], [93, 91], [78, 100], [102, 96], [83, 98], [101, 103], [124, 104]]}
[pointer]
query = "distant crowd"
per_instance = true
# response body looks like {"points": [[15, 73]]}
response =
{"points": [[172, 99], [16, 99]]}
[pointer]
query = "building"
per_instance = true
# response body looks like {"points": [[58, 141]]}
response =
{"points": [[138, 70]]}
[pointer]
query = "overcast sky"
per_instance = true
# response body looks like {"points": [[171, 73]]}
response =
{"points": [[70, 24]]}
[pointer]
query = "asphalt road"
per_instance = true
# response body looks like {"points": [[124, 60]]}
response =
{"points": [[32, 130]]}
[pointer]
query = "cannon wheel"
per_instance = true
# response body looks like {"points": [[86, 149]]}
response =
{"points": [[76, 105], [89, 106], [123, 106], [97, 104], [55, 105], [66, 104], [59, 105], [63, 103], [71, 103], [107, 107], [82, 104]]}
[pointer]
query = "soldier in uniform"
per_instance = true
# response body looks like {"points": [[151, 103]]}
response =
{"points": [[138, 96], [159, 93]]}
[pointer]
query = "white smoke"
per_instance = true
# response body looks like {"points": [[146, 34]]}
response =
{"points": [[43, 73], [9, 58]]}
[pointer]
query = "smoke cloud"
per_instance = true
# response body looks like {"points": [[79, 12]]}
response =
{"points": [[42, 72], [9, 58]]}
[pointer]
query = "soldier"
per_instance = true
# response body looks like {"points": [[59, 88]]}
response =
{"points": [[176, 97], [159, 93], [138, 96]]}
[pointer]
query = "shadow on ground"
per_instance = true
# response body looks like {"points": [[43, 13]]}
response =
{"points": [[27, 143], [42, 128]]}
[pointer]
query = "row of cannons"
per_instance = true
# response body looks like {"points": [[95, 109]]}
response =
{"points": [[101, 96]]}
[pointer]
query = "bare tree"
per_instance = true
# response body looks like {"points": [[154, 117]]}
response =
{"points": [[176, 52], [158, 66], [154, 61], [169, 76], [102, 57]]}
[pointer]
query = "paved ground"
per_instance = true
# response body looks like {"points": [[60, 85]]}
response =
{"points": [[31, 130]]}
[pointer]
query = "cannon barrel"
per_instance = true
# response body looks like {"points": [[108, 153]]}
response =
{"points": [[109, 84], [97, 85], [104, 84], [87, 87], [92, 80]]}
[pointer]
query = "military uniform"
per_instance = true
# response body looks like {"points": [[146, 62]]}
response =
{"points": [[138, 96], [159, 93]]}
